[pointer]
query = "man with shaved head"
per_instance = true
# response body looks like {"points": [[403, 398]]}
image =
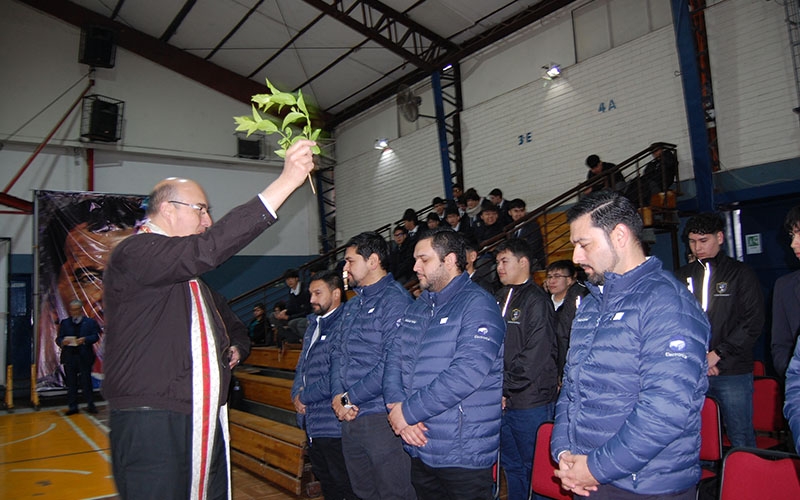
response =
{"points": [[171, 341]]}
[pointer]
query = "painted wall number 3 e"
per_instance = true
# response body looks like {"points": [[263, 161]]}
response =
{"points": [[522, 139]]}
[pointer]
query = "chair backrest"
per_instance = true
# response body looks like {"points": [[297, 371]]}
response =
{"points": [[759, 369], [543, 481], [749, 473], [710, 431], [767, 405]]}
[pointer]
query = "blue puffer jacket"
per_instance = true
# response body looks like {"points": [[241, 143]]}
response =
{"points": [[367, 326], [446, 367], [791, 408], [635, 382], [312, 378]]}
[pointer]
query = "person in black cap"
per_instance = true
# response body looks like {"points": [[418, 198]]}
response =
{"points": [[599, 168]]}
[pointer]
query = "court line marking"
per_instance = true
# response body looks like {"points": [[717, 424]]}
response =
{"points": [[67, 471], [52, 426], [86, 438]]}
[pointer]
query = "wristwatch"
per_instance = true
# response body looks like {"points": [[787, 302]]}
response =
{"points": [[345, 400]]}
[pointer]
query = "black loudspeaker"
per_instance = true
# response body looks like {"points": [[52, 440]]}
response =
{"points": [[249, 149], [98, 47], [102, 118]]}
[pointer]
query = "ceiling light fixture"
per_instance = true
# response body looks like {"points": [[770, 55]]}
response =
{"points": [[551, 72], [382, 144], [448, 67]]}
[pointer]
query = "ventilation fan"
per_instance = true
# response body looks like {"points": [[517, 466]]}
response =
{"points": [[408, 103]]}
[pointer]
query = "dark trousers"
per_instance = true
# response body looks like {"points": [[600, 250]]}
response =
{"points": [[327, 464], [451, 483], [608, 492], [378, 466], [78, 373], [151, 456]]}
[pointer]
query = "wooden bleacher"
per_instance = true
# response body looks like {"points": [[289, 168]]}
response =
{"points": [[269, 449]]}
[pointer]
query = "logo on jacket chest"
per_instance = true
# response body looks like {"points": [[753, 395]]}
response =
{"points": [[514, 316], [722, 288]]}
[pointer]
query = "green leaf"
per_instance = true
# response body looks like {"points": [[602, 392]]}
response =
{"points": [[256, 116], [281, 153], [261, 99], [315, 150], [315, 134], [301, 103], [272, 87], [284, 99], [291, 118], [267, 127]]}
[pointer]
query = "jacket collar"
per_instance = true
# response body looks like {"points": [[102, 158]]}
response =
{"points": [[614, 281], [448, 292], [376, 288]]}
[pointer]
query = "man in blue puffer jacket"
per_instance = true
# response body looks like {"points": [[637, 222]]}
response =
{"points": [[444, 376], [311, 390], [378, 467], [628, 416]]}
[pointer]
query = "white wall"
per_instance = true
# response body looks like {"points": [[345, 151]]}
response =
{"points": [[505, 99], [754, 88], [173, 126]]}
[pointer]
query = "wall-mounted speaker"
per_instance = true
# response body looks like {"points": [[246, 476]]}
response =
{"points": [[252, 149], [98, 47], [101, 119]]}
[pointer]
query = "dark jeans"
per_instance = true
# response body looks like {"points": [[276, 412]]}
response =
{"points": [[517, 441], [78, 371], [450, 483], [378, 466], [151, 456], [735, 396], [327, 464], [608, 492]]}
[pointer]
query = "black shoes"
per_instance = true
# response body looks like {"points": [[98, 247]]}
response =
{"points": [[92, 409], [72, 411]]}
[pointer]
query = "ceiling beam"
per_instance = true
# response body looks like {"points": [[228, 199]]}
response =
{"points": [[469, 47], [176, 22], [389, 28], [195, 68]]}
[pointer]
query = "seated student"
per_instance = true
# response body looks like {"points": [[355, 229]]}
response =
{"points": [[481, 271], [473, 201], [401, 257], [411, 223], [496, 197], [490, 225], [258, 329], [659, 176], [432, 221], [458, 223], [530, 232], [439, 205], [600, 169], [298, 306]]}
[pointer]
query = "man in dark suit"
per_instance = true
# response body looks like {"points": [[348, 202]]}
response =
{"points": [[786, 303], [75, 337]]}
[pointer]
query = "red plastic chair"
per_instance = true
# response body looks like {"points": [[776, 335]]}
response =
{"points": [[543, 481], [768, 418], [753, 474], [710, 438], [759, 370], [496, 478]]}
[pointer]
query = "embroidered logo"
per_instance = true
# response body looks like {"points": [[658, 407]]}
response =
{"points": [[483, 333], [677, 345], [515, 314], [722, 287]]}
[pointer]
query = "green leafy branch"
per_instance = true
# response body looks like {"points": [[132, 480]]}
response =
{"points": [[298, 114]]}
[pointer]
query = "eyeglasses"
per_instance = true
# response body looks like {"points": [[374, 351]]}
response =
{"points": [[556, 276], [201, 208]]}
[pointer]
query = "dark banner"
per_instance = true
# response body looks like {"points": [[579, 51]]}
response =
{"points": [[76, 234]]}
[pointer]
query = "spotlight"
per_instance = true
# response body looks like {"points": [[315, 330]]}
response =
{"points": [[551, 72], [382, 143]]}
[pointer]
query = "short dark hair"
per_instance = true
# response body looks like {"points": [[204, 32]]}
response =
{"points": [[402, 228], [518, 247], [607, 209], [496, 192], [488, 206], [410, 215], [433, 216], [445, 241], [705, 223], [368, 243], [291, 273], [471, 194], [437, 201], [592, 161], [516, 203], [563, 265], [792, 221], [260, 305], [451, 210], [331, 278]]}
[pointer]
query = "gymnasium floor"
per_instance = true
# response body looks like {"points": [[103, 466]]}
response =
{"points": [[47, 455]]}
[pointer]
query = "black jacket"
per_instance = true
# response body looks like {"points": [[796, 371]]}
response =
{"points": [[530, 375], [735, 309], [564, 316]]}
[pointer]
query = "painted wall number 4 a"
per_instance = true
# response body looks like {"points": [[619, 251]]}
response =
{"points": [[603, 108]]}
